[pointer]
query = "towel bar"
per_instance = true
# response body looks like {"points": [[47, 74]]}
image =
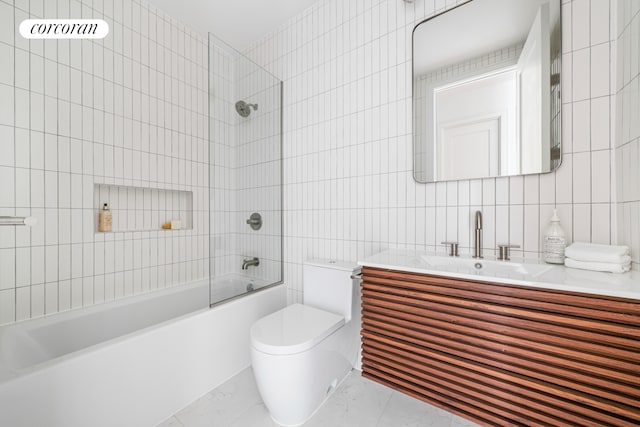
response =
{"points": [[18, 220]]}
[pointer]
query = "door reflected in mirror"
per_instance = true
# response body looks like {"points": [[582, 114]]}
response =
{"points": [[486, 90]]}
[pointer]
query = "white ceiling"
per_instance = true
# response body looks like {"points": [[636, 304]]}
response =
{"points": [[237, 22]]}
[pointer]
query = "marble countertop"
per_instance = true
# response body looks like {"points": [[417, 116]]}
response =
{"points": [[558, 277]]}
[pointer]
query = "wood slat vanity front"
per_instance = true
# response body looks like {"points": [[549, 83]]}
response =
{"points": [[501, 354]]}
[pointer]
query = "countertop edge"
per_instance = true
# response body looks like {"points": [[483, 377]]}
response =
{"points": [[623, 280]]}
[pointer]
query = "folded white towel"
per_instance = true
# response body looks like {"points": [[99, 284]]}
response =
{"points": [[597, 253], [609, 267]]}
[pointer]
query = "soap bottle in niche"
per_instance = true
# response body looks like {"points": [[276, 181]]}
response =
{"points": [[554, 241], [104, 219]]}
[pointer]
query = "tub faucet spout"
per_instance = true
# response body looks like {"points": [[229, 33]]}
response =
{"points": [[477, 252], [249, 262]]}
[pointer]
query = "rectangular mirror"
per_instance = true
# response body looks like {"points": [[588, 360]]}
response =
{"points": [[486, 91]]}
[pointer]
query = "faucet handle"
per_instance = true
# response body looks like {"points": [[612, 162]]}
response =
{"points": [[503, 251], [453, 248]]}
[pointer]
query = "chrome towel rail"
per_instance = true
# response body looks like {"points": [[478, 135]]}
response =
{"points": [[18, 220]]}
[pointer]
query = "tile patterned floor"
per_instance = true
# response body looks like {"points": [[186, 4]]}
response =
{"points": [[356, 402]]}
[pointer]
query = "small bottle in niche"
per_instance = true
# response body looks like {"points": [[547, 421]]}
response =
{"points": [[104, 219], [554, 241]]}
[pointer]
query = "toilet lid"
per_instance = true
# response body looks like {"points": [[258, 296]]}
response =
{"points": [[293, 329]]}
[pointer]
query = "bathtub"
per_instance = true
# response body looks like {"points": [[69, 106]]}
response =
{"points": [[233, 285], [129, 363]]}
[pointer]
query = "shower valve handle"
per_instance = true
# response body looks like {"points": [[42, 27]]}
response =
{"points": [[255, 221]]}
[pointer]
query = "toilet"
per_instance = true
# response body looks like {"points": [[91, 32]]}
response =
{"points": [[302, 352]]}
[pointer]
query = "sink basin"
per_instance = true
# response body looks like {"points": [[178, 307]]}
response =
{"points": [[484, 267]]}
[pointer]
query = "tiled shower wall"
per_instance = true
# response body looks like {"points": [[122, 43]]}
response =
{"points": [[349, 190], [223, 158], [246, 165], [259, 173], [628, 125], [129, 110]]}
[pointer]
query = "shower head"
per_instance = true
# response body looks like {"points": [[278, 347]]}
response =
{"points": [[244, 109]]}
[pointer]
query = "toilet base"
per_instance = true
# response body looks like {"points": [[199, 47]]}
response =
{"points": [[294, 386]]}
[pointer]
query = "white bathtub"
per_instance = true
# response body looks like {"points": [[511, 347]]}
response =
{"points": [[131, 363], [232, 285]]}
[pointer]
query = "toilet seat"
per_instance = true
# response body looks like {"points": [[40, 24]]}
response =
{"points": [[293, 329]]}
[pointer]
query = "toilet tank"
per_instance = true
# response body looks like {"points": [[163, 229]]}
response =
{"points": [[328, 286]]}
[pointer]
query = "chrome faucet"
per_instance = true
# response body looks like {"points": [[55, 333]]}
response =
{"points": [[477, 251], [249, 262]]}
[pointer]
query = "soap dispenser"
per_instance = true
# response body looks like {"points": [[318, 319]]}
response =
{"points": [[554, 241], [104, 219]]}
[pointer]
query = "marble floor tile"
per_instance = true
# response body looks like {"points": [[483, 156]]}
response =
{"points": [[223, 405], [406, 411], [356, 402], [457, 421], [256, 416], [171, 422]]}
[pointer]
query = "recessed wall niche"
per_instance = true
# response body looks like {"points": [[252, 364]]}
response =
{"points": [[143, 208]]}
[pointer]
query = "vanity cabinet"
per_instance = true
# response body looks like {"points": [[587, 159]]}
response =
{"points": [[501, 354]]}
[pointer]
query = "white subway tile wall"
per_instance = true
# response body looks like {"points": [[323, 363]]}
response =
{"points": [[348, 185], [627, 125], [129, 110], [246, 165], [223, 159], [259, 171], [132, 110]]}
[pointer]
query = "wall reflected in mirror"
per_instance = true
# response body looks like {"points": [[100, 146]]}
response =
{"points": [[486, 90]]}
